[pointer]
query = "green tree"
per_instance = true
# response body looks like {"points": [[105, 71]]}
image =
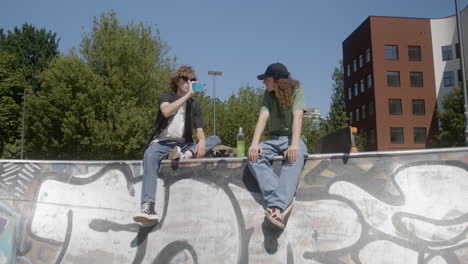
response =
{"points": [[360, 141], [12, 85], [34, 47], [452, 126], [310, 138], [64, 111], [336, 118], [24, 53], [239, 110], [104, 105]]}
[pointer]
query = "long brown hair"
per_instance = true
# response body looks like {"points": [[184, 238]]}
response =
{"points": [[183, 70], [285, 91]]}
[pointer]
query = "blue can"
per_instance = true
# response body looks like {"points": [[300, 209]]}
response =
{"points": [[197, 87]]}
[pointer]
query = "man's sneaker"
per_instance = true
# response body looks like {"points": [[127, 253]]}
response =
{"points": [[176, 153], [187, 155], [147, 214], [274, 215], [288, 209]]}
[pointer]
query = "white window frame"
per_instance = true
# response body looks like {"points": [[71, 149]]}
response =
{"points": [[369, 81], [368, 58]]}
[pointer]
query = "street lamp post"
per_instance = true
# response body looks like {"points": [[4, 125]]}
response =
{"points": [[22, 122], [214, 73]]}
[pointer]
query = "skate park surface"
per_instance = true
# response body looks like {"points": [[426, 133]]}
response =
{"points": [[350, 208]]}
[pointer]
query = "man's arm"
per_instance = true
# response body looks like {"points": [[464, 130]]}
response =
{"points": [[291, 152], [168, 109], [201, 145], [255, 149]]}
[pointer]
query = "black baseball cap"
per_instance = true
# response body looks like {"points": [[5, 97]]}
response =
{"points": [[275, 70]]}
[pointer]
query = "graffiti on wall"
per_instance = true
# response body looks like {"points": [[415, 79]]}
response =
{"points": [[406, 208]]}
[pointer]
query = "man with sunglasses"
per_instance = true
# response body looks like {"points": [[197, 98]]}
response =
{"points": [[178, 113]]}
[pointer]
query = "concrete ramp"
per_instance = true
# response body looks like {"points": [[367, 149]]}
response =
{"points": [[358, 208]]}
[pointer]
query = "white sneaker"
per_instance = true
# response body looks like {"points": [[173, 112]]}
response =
{"points": [[176, 153], [147, 213], [187, 155]]}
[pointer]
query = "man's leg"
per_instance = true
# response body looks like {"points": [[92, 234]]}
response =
{"points": [[151, 161], [211, 142], [290, 173], [188, 149]]}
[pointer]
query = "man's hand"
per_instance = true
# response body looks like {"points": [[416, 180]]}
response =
{"points": [[291, 153], [190, 90], [201, 149], [254, 151]]}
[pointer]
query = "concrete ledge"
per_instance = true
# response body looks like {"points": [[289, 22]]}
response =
{"points": [[372, 207]]}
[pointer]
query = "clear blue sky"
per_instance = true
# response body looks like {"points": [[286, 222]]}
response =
{"points": [[240, 38]]}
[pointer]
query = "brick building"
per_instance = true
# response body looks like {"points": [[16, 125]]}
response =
{"points": [[396, 72]]}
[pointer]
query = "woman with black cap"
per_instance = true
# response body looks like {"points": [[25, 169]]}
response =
{"points": [[283, 104]]}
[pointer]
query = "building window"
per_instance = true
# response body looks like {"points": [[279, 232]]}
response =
{"points": [[391, 52], [372, 136], [348, 70], [350, 94], [356, 113], [420, 135], [416, 79], [371, 109], [354, 65], [396, 135], [457, 50], [367, 55], [361, 61], [414, 53], [362, 86], [393, 78], [449, 78], [363, 112], [419, 107], [356, 91], [447, 53], [351, 117], [369, 81], [394, 106]]}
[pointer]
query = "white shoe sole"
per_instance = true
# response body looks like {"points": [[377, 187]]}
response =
{"points": [[274, 222], [175, 154], [287, 211], [146, 219]]}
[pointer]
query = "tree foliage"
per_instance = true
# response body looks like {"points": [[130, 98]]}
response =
{"points": [[24, 53], [452, 120], [240, 110], [12, 84], [336, 118], [102, 104], [34, 48]]}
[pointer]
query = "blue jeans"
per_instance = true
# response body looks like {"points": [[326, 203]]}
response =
{"points": [[152, 159], [278, 190]]}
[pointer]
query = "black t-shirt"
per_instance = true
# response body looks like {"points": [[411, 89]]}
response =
{"points": [[193, 116]]}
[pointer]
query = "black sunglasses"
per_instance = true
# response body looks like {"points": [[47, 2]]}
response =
{"points": [[186, 79]]}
